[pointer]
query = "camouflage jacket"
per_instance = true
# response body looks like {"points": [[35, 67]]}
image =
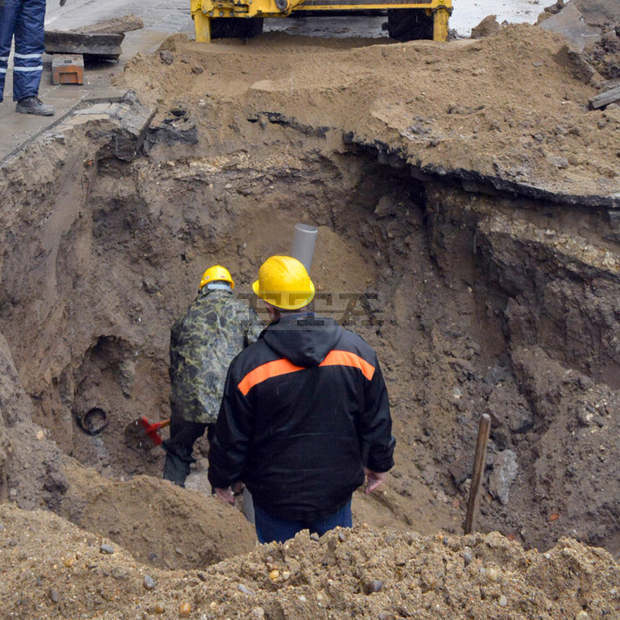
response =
{"points": [[216, 327]]}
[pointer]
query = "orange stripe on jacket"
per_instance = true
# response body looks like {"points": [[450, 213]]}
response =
{"points": [[284, 367], [346, 358], [267, 371]]}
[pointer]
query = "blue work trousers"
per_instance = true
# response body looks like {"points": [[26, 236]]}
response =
{"points": [[23, 19], [270, 529]]}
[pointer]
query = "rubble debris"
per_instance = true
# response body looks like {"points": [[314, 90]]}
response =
{"points": [[579, 66], [605, 98], [117, 25], [177, 126], [555, 8], [569, 23], [124, 127], [582, 22], [604, 55], [487, 27]]}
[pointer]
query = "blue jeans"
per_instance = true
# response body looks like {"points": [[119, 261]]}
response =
{"points": [[270, 529]]}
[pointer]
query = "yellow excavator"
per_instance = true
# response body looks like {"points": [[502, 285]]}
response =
{"points": [[406, 19]]}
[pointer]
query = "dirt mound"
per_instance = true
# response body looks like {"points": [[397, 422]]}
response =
{"points": [[459, 105], [156, 521], [488, 26], [53, 569]]}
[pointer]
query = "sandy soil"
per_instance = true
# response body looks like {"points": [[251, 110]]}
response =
{"points": [[362, 572], [459, 105]]}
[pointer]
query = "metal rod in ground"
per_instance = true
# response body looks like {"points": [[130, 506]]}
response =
{"points": [[476, 478]]}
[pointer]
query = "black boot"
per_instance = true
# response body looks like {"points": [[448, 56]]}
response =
{"points": [[179, 448], [176, 469], [33, 105]]}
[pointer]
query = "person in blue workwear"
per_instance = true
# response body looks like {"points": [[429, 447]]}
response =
{"points": [[23, 19]]}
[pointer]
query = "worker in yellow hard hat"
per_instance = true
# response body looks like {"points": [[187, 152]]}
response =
{"points": [[305, 417], [214, 329], [284, 283]]}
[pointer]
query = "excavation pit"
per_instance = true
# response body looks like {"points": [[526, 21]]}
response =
{"points": [[469, 299], [481, 293]]}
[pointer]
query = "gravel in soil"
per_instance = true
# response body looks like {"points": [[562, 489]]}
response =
{"points": [[51, 568]]}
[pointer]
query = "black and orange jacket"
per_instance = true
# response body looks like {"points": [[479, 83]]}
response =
{"points": [[304, 409]]}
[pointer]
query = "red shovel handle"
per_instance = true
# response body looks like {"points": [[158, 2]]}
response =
{"points": [[157, 425], [151, 429]]}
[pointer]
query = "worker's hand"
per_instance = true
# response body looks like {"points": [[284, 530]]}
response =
{"points": [[237, 487], [226, 495], [373, 479]]}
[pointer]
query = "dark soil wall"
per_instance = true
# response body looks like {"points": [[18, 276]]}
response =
{"points": [[474, 302]]}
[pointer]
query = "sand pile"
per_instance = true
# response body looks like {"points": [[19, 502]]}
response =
{"points": [[53, 569], [513, 106]]}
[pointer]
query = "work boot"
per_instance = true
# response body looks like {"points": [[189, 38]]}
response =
{"points": [[33, 105], [175, 469]]}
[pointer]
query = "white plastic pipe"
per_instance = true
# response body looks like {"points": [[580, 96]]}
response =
{"points": [[303, 244]]}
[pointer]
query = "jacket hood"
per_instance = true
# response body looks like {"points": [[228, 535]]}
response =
{"points": [[304, 339]]}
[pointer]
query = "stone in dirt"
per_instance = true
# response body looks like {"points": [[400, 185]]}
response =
{"points": [[505, 468], [149, 582], [488, 26], [166, 57]]}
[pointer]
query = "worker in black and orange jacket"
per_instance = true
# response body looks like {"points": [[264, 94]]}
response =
{"points": [[304, 417]]}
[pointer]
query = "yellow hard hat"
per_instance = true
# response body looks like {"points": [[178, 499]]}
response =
{"points": [[284, 283], [217, 273]]}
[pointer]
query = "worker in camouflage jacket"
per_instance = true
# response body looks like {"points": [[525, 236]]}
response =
{"points": [[215, 328]]}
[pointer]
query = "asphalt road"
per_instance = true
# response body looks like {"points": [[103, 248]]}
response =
{"points": [[161, 15]]}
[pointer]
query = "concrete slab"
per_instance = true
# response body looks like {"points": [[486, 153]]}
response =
{"points": [[94, 44], [570, 23]]}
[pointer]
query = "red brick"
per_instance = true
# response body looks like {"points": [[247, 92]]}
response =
{"points": [[67, 69]]}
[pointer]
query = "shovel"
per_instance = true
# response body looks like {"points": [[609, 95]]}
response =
{"points": [[144, 435]]}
